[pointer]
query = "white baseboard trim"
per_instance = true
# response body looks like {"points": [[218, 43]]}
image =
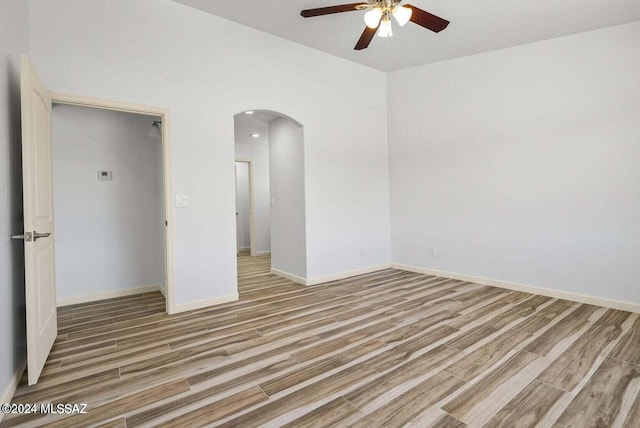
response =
{"points": [[347, 274], [289, 276], [163, 291], [557, 294], [108, 295], [10, 389], [262, 253], [328, 278], [205, 303]]}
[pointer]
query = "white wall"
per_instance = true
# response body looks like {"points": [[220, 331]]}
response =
{"points": [[286, 172], [206, 69], [523, 164], [243, 205], [14, 40], [257, 150], [108, 233]]}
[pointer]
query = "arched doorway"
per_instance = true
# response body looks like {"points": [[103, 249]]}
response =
{"points": [[270, 195]]}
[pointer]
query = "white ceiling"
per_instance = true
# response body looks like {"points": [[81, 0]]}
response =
{"points": [[247, 124], [476, 26]]}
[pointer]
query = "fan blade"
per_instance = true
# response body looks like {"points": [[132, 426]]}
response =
{"points": [[309, 13], [427, 20], [365, 39]]}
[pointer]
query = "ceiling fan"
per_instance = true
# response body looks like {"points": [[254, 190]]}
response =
{"points": [[378, 18]]}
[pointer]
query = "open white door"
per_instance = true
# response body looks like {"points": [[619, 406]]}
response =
{"points": [[38, 220]]}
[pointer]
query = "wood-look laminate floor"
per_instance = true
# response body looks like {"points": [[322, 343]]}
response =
{"points": [[384, 349]]}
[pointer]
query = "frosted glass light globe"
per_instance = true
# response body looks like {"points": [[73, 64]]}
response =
{"points": [[372, 18], [402, 15]]}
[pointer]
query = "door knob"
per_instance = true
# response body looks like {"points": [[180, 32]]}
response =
{"points": [[37, 235]]}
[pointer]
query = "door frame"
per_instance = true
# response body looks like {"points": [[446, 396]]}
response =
{"points": [[163, 113], [252, 222]]}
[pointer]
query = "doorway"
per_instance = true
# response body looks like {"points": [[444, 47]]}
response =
{"points": [[269, 154], [245, 225], [107, 185], [153, 123]]}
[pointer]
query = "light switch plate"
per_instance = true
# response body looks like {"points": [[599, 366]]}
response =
{"points": [[182, 201]]}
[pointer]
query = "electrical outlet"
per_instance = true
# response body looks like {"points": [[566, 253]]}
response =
{"points": [[182, 201], [433, 252]]}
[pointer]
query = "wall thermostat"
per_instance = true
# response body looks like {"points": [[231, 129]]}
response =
{"points": [[104, 175]]}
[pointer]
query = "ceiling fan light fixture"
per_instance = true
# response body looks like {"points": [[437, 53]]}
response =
{"points": [[402, 15], [378, 18], [385, 29], [372, 18]]}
